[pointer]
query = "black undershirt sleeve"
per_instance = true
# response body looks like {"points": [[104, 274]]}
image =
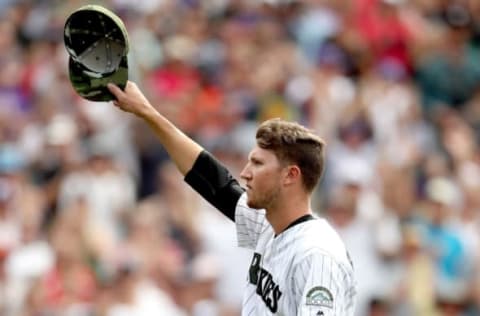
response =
{"points": [[214, 182]]}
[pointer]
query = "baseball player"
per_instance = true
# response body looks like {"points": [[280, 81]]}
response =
{"points": [[300, 265]]}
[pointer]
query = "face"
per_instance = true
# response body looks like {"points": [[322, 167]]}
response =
{"points": [[262, 176]]}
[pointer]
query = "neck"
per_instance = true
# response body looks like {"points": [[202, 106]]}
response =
{"points": [[284, 212]]}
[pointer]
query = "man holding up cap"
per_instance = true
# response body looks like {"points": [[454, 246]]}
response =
{"points": [[300, 265]]}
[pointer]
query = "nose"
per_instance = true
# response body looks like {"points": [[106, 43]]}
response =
{"points": [[246, 174]]}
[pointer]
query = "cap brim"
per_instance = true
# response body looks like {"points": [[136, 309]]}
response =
{"points": [[93, 86]]}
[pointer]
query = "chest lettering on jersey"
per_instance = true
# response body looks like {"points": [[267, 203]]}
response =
{"points": [[267, 289]]}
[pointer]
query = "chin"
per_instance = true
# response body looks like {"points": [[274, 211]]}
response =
{"points": [[254, 204]]}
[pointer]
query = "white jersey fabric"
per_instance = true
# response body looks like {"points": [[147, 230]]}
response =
{"points": [[303, 271]]}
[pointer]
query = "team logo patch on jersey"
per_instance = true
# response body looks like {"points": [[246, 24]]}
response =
{"points": [[320, 296]]}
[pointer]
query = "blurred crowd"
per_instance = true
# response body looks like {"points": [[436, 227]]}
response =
{"points": [[96, 221]]}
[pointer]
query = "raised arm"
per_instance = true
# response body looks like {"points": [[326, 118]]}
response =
{"points": [[181, 148], [201, 170]]}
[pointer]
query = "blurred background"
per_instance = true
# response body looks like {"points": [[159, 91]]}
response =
{"points": [[95, 220]]}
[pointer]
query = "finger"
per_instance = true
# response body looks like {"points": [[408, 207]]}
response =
{"points": [[116, 91]]}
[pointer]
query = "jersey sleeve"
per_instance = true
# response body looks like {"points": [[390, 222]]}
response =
{"points": [[250, 223], [321, 286], [212, 180]]}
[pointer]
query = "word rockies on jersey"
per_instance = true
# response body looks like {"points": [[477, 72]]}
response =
{"points": [[268, 290]]}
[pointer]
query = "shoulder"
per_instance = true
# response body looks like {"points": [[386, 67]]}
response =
{"points": [[318, 239]]}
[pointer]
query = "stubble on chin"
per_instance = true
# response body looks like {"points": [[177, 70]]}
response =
{"points": [[255, 203], [252, 204], [263, 203]]}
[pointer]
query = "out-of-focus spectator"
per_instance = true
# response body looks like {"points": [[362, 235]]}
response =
{"points": [[454, 57], [106, 187], [356, 231], [445, 244], [147, 268], [415, 291]]}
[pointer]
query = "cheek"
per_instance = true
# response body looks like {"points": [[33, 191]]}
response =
{"points": [[265, 178]]}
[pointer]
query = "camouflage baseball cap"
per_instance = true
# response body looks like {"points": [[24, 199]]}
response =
{"points": [[97, 42]]}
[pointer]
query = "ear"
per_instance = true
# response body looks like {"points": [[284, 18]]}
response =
{"points": [[293, 175]]}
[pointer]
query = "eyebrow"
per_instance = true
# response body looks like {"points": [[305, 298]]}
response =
{"points": [[254, 159]]}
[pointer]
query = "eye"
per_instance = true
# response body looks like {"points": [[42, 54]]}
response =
{"points": [[256, 162]]}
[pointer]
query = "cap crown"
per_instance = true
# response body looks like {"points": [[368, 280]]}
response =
{"points": [[97, 42]]}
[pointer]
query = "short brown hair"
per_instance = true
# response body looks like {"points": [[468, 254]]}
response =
{"points": [[294, 144]]}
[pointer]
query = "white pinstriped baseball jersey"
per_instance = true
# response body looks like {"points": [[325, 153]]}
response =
{"points": [[304, 271]]}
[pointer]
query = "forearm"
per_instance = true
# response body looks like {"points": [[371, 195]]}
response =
{"points": [[182, 149], [201, 170]]}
